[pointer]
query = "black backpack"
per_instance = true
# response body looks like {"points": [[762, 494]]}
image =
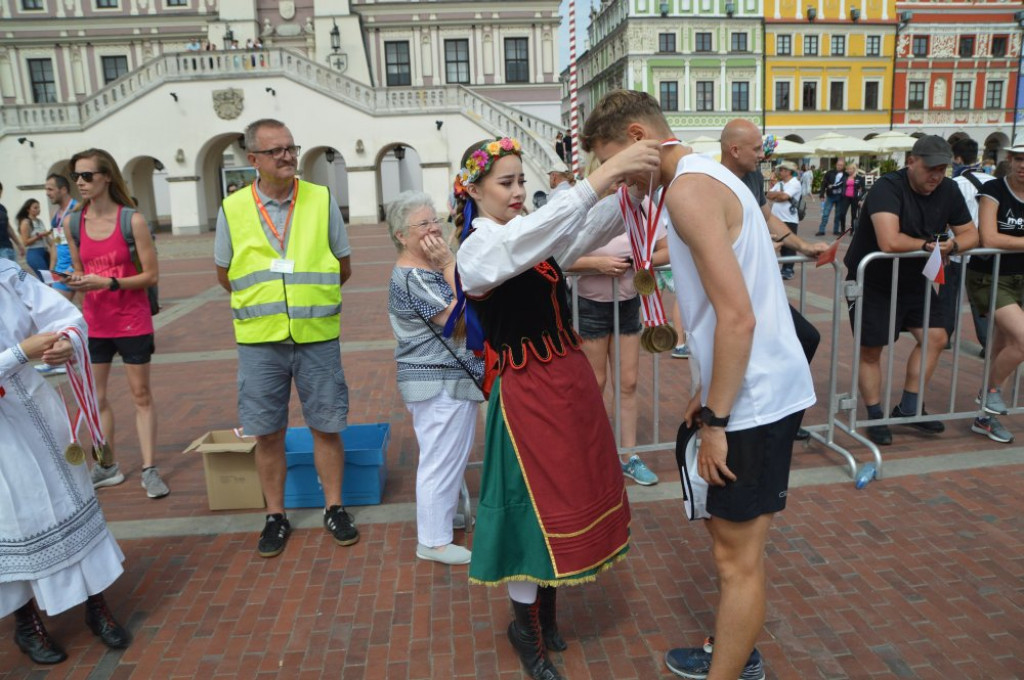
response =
{"points": [[153, 292], [801, 207]]}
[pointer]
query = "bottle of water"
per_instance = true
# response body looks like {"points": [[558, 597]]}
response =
{"points": [[866, 474]]}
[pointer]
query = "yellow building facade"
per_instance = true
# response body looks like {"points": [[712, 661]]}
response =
{"points": [[828, 66]]}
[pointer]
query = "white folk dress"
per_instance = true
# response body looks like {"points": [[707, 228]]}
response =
{"points": [[54, 542]]}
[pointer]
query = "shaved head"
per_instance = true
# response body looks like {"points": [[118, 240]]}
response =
{"points": [[738, 131], [741, 146]]}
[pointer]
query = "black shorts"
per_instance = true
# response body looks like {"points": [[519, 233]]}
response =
{"points": [[597, 319], [909, 314], [136, 349], [759, 457]]}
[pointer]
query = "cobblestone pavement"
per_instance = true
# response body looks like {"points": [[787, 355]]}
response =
{"points": [[917, 576]]}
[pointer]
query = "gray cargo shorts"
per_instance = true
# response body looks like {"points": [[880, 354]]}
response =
{"points": [[265, 373]]}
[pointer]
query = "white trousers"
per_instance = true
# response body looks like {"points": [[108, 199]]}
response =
{"points": [[445, 429]]}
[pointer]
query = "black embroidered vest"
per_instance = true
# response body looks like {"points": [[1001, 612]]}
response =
{"points": [[528, 314]]}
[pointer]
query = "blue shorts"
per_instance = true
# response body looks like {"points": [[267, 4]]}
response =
{"points": [[265, 374], [597, 319], [64, 264]]}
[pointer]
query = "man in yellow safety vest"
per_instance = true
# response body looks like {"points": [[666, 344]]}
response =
{"points": [[282, 252]]}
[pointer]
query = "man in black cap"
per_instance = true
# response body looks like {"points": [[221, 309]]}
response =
{"points": [[906, 211]]}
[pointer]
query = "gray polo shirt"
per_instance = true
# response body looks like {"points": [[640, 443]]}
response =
{"points": [[278, 212]]}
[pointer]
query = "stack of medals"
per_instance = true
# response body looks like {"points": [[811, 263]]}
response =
{"points": [[658, 335], [84, 388]]}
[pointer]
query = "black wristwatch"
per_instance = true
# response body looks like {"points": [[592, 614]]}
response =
{"points": [[708, 417], [114, 284]]}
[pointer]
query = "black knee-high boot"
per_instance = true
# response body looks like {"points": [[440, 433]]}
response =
{"points": [[525, 636], [553, 640], [31, 637]]}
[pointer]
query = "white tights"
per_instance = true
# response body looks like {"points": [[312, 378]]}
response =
{"points": [[522, 591]]}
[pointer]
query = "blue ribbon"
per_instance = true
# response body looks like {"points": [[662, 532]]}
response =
{"points": [[474, 331]]}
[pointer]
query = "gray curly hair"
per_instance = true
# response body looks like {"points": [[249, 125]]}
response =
{"points": [[399, 210]]}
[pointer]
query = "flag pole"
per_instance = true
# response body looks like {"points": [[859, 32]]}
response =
{"points": [[574, 108]]}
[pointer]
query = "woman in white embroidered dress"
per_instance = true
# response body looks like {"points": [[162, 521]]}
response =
{"points": [[55, 549]]}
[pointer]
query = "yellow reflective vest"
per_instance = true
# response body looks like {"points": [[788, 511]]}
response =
{"points": [[305, 305]]}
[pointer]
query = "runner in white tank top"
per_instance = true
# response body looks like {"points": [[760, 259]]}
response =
{"points": [[777, 381], [756, 381]]}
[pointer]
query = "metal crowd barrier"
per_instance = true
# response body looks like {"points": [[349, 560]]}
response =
{"points": [[841, 407]]}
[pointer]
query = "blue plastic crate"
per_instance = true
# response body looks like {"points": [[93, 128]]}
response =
{"points": [[365, 466]]}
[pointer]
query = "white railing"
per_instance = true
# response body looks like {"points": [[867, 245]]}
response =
{"points": [[536, 135]]}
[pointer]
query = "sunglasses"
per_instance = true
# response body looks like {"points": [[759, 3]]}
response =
{"points": [[278, 152], [87, 176]]}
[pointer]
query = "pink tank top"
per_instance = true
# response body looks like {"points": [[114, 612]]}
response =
{"points": [[112, 313]]}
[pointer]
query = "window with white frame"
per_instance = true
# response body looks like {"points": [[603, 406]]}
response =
{"points": [[517, 60], [114, 68], [871, 98], [739, 42], [782, 94], [809, 100], [838, 45], [456, 62], [398, 68], [874, 46], [836, 95], [810, 45], [666, 42], [994, 94], [44, 87], [784, 45], [915, 95], [669, 95], [702, 42], [741, 96], [962, 95], [705, 95], [31, 4]]}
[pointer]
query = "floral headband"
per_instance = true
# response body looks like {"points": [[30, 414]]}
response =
{"points": [[481, 160]]}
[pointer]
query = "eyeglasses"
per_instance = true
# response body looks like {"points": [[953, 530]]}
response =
{"points": [[426, 224], [278, 152], [87, 176]]}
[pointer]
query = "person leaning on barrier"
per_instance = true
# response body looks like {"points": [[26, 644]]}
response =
{"points": [[282, 252], [754, 382], [1001, 225], [437, 377], [969, 178], [905, 212], [742, 153]]}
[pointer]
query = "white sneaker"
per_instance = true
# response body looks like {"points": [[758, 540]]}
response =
{"points": [[445, 554]]}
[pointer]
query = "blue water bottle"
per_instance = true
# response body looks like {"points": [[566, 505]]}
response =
{"points": [[866, 474]]}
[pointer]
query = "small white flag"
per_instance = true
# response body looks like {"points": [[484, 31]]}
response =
{"points": [[933, 267]]}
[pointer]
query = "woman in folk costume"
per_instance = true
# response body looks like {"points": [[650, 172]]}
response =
{"points": [[553, 508], [55, 549]]}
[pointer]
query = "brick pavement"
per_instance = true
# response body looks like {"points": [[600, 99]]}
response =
{"points": [[916, 576]]}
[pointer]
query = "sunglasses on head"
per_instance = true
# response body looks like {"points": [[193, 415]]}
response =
{"points": [[87, 176]]}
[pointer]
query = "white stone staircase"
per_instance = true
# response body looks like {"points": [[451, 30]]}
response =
{"points": [[536, 135]]}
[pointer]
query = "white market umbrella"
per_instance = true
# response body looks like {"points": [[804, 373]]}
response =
{"points": [[892, 141], [786, 148], [704, 144], [834, 144]]}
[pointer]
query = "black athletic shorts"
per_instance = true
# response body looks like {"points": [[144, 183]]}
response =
{"points": [[909, 314], [759, 457], [135, 349]]}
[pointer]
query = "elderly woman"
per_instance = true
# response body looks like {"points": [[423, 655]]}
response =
{"points": [[438, 378]]}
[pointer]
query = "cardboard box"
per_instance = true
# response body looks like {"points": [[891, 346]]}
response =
{"points": [[366, 469], [231, 479]]}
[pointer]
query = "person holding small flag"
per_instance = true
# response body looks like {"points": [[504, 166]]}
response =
{"points": [[906, 211]]}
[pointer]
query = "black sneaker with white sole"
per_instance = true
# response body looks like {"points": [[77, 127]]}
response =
{"points": [[339, 525], [274, 536]]}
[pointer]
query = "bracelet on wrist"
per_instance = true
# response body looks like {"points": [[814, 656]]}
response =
{"points": [[924, 246], [783, 237]]}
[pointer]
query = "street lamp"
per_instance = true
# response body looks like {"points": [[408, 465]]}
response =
{"points": [[335, 37], [812, 13], [730, 8], [905, 18], [400, 153], [337, 59]]}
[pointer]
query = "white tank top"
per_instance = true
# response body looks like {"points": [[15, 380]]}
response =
{"points": [[778, 380]]}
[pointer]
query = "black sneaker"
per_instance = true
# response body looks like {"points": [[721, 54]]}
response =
{"points": [[929, 426], [339, 524], [275, 535], [880, 434]]}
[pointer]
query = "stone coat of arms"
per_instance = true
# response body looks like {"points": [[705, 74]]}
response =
{"points": [[228, 104]]}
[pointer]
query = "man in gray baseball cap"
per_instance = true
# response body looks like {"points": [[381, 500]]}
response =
{"points": [[905, 211]]}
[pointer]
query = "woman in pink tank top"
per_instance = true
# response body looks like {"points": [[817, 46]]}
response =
{"points": [[116, 304]]}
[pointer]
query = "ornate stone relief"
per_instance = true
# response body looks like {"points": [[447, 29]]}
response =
{"points": [[286, 8], [943, 46], [939, 93], [228, 104]]}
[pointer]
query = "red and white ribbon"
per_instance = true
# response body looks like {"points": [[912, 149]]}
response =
{"points": [[641, 228], [83, 385]]}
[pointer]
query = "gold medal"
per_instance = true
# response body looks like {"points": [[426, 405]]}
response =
{"points": [[644, 282], [74, 453], [101, 454], [663, 338], [645, 339]]}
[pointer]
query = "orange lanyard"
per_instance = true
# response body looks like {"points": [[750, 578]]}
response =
{"points": [[270, 223]]}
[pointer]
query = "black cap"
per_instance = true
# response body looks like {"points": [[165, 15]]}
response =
{"points": [[933, 150]]}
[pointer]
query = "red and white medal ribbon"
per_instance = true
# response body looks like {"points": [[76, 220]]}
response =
{"points": [[641, 229], [83, 385]]}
